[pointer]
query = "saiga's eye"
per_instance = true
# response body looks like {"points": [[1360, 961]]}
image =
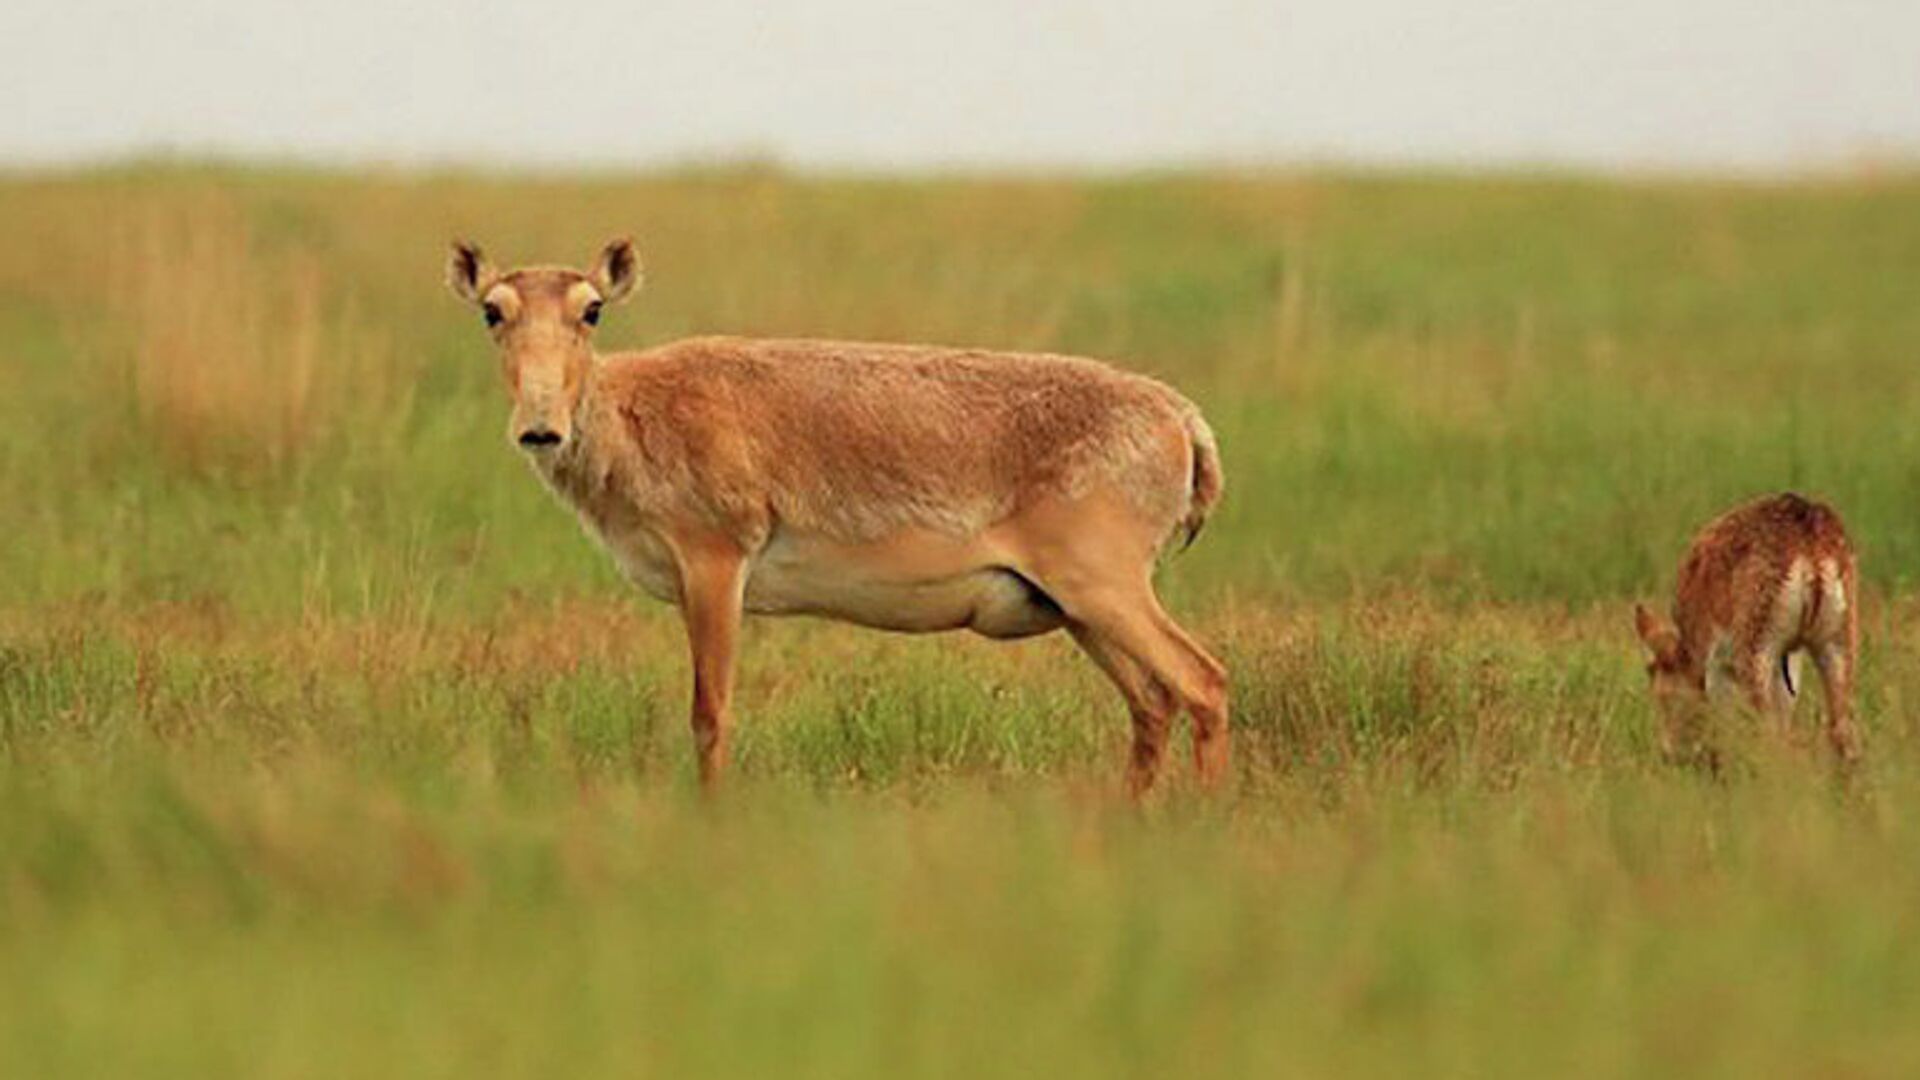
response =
{"points": [[591, 314], [492, 313]]}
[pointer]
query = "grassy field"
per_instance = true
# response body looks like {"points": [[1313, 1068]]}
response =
{"points": [[330, 747]]}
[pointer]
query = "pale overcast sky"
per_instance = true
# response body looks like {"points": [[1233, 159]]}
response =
{"points": [[872, 84]]}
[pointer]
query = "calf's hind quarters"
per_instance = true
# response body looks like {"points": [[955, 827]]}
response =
{"points": [[1760, 584]]}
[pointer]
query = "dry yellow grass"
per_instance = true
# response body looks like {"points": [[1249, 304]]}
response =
{"points": [[239, 360]]}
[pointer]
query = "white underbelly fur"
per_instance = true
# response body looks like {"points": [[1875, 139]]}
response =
{"points": [[939, 587], [811, 577]]}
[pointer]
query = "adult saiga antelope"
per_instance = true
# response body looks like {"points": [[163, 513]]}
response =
{"points": [[1761, 583], [907, 488]]}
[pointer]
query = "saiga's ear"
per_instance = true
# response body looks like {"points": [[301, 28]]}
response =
{"points": [[616, 273], [1656, 633], [469, 274]]}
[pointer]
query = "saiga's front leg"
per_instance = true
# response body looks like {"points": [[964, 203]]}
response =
{"points": [[712, 580]]}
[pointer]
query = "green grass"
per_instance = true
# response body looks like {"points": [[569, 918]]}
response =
{"points": [[356, 759]]}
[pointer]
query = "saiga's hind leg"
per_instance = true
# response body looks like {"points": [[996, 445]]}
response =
{"points": [[1129, 617], [1149, 703], [1211, 737], [1094, 556]]}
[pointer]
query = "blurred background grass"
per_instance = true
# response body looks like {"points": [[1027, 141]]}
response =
{"points": [[1521, 390], [329, 745]]}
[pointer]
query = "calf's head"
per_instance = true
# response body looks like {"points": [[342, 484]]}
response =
{"points": [[1677, 686]]}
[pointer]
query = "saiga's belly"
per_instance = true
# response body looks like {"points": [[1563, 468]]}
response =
{"points": [[914, 581]]}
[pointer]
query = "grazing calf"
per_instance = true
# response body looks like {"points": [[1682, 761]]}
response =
{"points": [[907, 488], [1761, 583]]}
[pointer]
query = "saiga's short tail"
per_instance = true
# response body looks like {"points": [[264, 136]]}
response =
{"points": [[1208, 480]]}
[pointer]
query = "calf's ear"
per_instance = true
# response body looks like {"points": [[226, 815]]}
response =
{"points": [[1662, 641]]}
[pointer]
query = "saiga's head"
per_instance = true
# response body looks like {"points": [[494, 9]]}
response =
{"points": [[1674, 684], [543, 319]]}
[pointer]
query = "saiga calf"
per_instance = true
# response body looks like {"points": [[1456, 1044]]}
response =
{"points": [[1761, 583], [908, 488]]}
